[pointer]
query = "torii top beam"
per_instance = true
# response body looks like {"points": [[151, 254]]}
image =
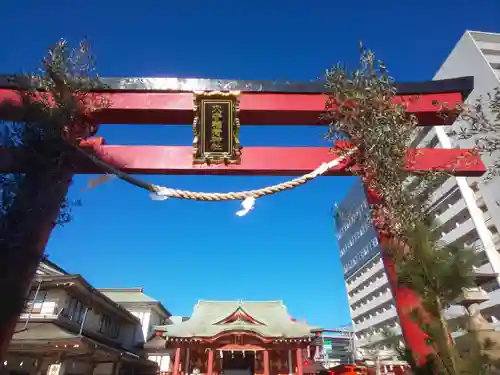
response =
{"points": [[170, 101]]}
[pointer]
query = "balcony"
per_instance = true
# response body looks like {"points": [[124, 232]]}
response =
{"points": [[493, 59], [377, 301], [369, 289], [479, 200], [486, 268], [487, 45], [370, 340], [376, 320], [49, 309], [487, 217], [444, 188], [496, 240], [451, 212], [362, 277], [494, 299], [460, 231]]}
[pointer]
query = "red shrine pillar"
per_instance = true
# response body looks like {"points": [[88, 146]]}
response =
{"points": [[300, 362], [405, 299], [210, 362], [266, 362], [187, 359], [35, 215], [177, 361]]}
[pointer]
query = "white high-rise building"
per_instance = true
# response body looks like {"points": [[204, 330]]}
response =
{"points": [[467, 209]]}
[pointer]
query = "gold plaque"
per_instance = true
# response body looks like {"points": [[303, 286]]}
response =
{"points": [[216, 128]]}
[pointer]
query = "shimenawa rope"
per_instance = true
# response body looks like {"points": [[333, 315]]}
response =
{"points": [[248, 197]]}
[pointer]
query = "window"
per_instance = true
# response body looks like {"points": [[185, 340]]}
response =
{"points": [[109, 327], [75, 310], [104, 324], [35, 300], [165, 321]]}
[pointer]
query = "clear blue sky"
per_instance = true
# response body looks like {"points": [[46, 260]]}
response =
{"points": [[184, 251]]}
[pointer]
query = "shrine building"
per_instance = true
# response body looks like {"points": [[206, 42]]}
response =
{"points": [[234, 338]]}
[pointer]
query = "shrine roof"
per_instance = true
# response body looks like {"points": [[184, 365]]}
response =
{"points": [[211, 318]]}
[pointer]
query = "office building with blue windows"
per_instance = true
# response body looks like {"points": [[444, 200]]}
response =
{"points": [[355, 233], [370, 300]]}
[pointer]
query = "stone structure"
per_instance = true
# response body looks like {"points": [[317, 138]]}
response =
{"points": [[480, 334]]}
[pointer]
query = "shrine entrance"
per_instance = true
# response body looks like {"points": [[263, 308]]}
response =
{"points": [[238, 363], [215, 109]]}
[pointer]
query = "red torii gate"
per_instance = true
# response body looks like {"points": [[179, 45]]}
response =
{"points": [[172, 101]]}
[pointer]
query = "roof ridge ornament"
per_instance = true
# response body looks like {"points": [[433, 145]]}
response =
{"points": [[239, 315]]}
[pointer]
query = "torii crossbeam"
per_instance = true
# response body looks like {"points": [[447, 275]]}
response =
{"points": [[169, 101], [178, 101]]}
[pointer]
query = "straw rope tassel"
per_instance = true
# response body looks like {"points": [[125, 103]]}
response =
{"points": [[249, 196]]}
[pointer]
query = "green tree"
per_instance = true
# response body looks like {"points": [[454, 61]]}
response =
{"points": [[480, 122], [361, 109], [438, 273], [43, 133]]}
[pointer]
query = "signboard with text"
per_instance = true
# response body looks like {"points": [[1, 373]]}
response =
{"points": [[216, 126]]}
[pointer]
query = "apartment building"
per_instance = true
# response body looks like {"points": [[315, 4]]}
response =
{"points": [[467, 210]]}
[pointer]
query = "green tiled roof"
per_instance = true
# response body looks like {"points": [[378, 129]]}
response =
{"points": [[44, 332], [127, 295], [207, 316]]}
